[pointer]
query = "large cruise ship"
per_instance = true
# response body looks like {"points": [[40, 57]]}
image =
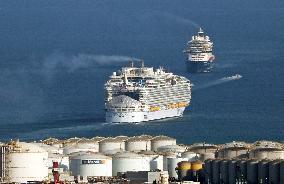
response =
{"points": [[137, 94], [199, 53]]}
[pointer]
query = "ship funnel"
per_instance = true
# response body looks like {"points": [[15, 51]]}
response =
{"points": [[131, 64], [142, 63]]}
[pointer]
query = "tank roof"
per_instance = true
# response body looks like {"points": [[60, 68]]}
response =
{"points": [[203, 146], [267, 145], [16, 146], [162, 138], [89, 155], [127, 154], [139, 138], [235, 145], [112, 139], [51, 140], [172, 148]]}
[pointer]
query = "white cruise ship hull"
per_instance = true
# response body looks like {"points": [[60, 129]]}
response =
{"points": [[135, 117]]}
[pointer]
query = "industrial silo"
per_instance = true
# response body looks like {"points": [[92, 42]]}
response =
{"points": [[160, 141], [216, 171], [90, 164], [129, 161], [252, 171], [48, 148], [274, 172], [242, 170], [183, 169], [263, 171], [25, 162], [111, 145], [232, 171], [282, 171], [233, 150], [224, 171], [208, 170], [196, 172]]}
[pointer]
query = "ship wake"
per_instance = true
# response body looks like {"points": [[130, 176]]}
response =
{"points": [[218, 81]]}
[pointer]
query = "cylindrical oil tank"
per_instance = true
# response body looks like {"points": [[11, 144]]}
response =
{"points": [[232, 171], [138, 143], [252, 171], [191, 156], [173, 164], [109, 144], [208, 170], [201, 148], [156, 162], [274, 172], [216, 171], [129, 161], [160, 141], [267, 153], [282, 171], [206, 156], [263, 171], [90, 164], [26, 162], [184, 170], [171, 148], [224, 171], [78, 147], [232, 152]]}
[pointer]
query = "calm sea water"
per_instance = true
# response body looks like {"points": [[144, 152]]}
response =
{"points": [[56, 55]]}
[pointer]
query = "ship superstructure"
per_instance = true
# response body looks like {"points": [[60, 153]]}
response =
{"points": [[199, 53], [137, 94]]}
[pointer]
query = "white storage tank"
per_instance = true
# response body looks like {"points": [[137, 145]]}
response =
{"points": [[267, 150], [201, 148], [233, 150], [173, 164], [78, 147], [206, 156], [130, 161], [138, 143], [160, 141], [110, 144], [156, 162], [90, 164], [26, 162]]}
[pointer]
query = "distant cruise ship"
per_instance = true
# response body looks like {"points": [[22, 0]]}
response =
{"points": [[199, 53], [137, 94]]}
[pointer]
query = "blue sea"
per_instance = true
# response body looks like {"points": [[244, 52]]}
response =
{"points": [[55, 57]]}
